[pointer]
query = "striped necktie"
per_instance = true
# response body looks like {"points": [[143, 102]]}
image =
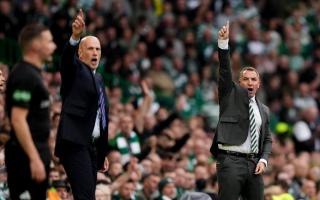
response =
{"points": [[102, 109], [253, 129]]}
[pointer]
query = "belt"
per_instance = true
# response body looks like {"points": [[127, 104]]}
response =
{"points": [[238, 154]]}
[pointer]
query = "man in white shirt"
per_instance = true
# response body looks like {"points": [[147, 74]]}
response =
{"points": [[242, 143]]}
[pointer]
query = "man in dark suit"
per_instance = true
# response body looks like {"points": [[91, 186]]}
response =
{"points": [[82, 139], [242, 143]]}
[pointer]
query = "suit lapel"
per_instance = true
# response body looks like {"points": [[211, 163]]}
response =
{"points": [[263, 118], [263, 121], [92, 75]]}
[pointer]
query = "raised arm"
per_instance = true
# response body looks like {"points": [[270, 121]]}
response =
{"points": [[225, 74], [67, 67], [78, 26], [144, 107]]}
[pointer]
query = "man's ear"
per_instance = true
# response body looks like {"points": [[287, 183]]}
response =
{"points": [[259, 84], [36, 45], [79, 52]]}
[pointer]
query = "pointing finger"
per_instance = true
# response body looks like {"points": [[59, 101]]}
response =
{"points": [[81, 13]]}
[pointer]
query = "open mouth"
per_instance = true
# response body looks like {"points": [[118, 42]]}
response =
{"points": [[250, 89], [94, 59]]}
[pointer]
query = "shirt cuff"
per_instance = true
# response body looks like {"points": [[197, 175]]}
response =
{"points": [[73, 42], [223, 44], [264, 161]]}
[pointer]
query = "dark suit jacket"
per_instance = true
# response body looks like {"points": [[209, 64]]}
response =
{"points": [[79, 92], [233, 125]]}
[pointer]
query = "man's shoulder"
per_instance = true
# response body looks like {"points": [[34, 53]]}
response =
{"points": [[24, 72], [265, 108]]}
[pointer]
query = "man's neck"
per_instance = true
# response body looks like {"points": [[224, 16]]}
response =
{"points": [[34, 60]]}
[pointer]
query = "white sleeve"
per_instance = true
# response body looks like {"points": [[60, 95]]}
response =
{"points": [[264, 161], [223, 44], [73, 42]]}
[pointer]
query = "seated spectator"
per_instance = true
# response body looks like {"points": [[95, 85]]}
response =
{"points": [[103, 192], [63, 189], [126, 141], [167, 189]]}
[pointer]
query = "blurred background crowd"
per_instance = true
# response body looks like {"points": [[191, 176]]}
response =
{"points": [[161, 133]]}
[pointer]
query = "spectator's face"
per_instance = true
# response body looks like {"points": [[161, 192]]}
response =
{"points": [[127, 190], [54, 175], [114, 157], [90, 51], [3, 177], [201, 172], [180, 178], [301, 169], [156, 163], [151, 184], [5, 7], [126, 125], [250, 81], [309, 188], [147, 166], [169, 190], [290, 170], [63, 193], [189, 181], [150, 122], [103, 193], [115, 169], [168, 164]]}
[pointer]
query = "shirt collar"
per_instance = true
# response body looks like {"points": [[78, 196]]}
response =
{"points": [[164, 197], [253, 99]]}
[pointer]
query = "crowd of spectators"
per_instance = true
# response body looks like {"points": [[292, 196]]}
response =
{"points": [[161, 130]]}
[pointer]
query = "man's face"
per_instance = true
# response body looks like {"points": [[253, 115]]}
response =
{"points": [[170, 190], [152, 183], [90, 51], [127, 190], [126, 125], [63, 193], [46, 46], [250, 81]]}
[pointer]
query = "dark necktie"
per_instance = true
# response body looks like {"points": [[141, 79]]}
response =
{"points": [[102, 109], [253, 129]]}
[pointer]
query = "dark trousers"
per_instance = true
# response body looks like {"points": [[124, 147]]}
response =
{"points": [[19, 175], [80, 164], [236, 178]]}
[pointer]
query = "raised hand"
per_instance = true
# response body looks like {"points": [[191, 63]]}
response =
{"points": [[145, 87], [224, 32], [78, 26]]}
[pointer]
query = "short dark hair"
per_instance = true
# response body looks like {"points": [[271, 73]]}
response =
{"points": [[30, 32]]}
